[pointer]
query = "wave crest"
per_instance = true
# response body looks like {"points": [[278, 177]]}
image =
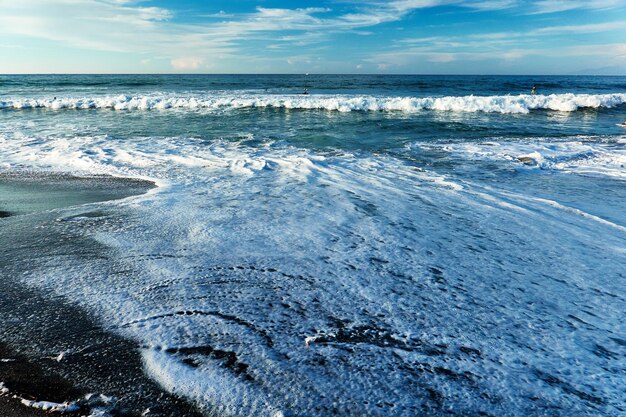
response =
{"points": [[489, 104]]}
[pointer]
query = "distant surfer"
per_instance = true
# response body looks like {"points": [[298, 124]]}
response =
{"points": [[532, 92], [306, 91]]}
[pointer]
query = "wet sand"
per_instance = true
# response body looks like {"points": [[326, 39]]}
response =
{"points": [[36, 327], [28, 192], [95, 361], [10, 407], [31, 382]]}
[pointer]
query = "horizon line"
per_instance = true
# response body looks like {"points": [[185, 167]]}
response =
{"points": [[310, 74]]}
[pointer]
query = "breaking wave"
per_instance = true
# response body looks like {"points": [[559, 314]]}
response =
{"points": [[583, 155], [343, 103]]}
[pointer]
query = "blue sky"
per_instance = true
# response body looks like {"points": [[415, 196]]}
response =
{"points": [[324, 36]]}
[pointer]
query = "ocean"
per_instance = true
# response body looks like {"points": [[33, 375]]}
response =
{"points": [[384, 245]]}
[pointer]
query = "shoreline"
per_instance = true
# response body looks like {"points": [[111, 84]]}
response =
{"points": [[72, 358], [11, 407], [26, 192], [50, 349], [24, 380]]}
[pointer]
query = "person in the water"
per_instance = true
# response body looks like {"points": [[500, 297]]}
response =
{"points": [[532, 92], [305, 91]]}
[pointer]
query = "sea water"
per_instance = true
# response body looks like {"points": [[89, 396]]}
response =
{"points": [[384, 245]]}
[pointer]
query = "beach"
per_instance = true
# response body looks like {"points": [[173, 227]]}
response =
{"points": [[398, 245], [29, 382], [53, 355]]}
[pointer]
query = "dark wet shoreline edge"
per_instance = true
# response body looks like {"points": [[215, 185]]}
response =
{"points": [[27, 191], [29, 372], [25, 380]]}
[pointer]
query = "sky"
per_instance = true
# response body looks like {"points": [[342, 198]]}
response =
{"points": [[322, 36]]}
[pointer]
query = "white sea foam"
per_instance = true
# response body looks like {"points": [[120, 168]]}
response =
{"points": [[195, 102], [583, 155], [52, 407], [98, 405], [414, 290]]}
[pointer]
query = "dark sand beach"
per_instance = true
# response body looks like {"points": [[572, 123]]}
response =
{"points": [[29, 192], [386, 245], [50, 351], [28, 381]]}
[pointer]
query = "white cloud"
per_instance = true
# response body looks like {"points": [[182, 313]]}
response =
{"points": [[553, 6], [514, 55], [614, 50], [442, 57], [404, 6], [186, 63], [130, 26], [92, 24], [508, 44], [414, 56], [220, 15], [588, 28], [492, 4]]}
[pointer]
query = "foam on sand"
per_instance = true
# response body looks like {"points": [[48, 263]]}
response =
{"points": [[50, 406], [388, 271]]}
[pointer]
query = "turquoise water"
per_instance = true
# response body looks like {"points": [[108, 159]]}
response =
{"points": [[384, 245]]}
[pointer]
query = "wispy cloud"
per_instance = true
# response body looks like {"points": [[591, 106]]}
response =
{"points": [[493, 4], [405, 6], [554, 6], [588, 28], [122, 25], [504, 40], [187, 63], [277, 34], [415, 56], [131, 26], [102, 25]]}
